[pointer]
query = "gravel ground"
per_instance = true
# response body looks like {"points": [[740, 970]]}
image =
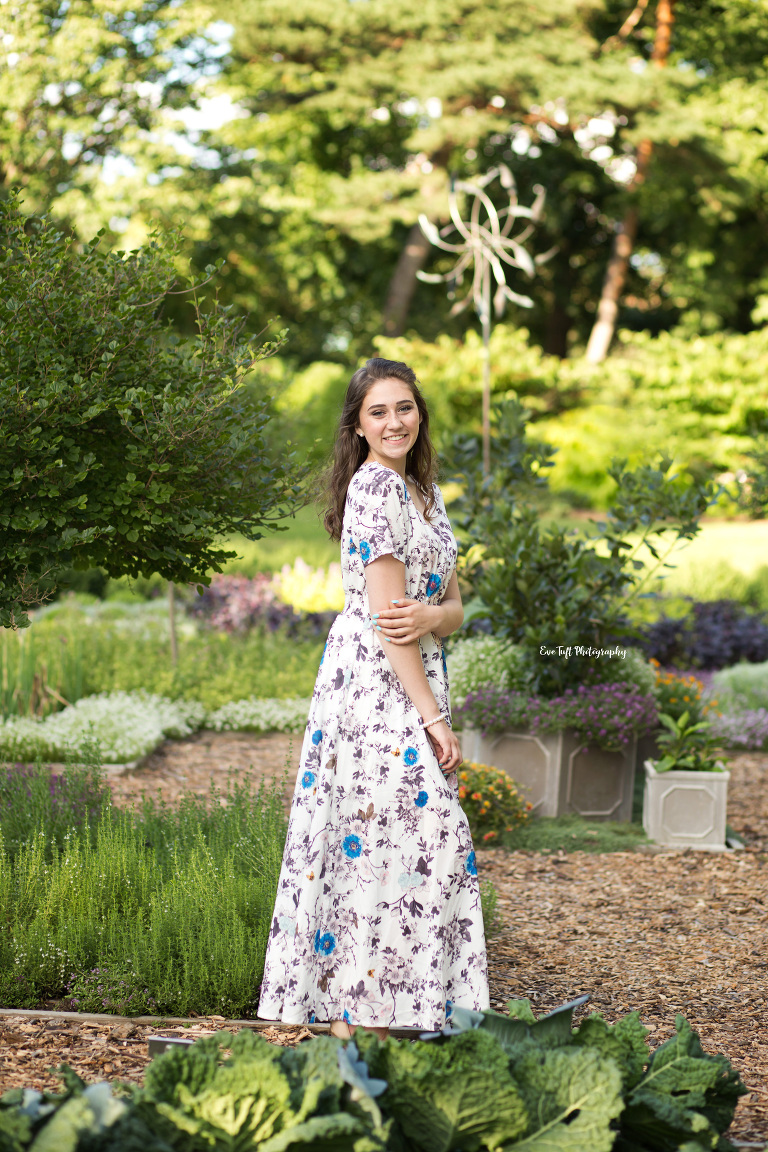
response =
{"points": [[674, 932]]}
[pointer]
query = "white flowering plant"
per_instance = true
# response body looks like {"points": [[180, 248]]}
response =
{"points": [[130, 725], [265, 715], [127, 726]]}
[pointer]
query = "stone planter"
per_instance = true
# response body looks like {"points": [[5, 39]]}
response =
{"points": [[683, 809], [558, 773]]}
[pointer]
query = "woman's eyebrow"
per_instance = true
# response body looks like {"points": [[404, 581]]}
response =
{"points": [[371, 408]]}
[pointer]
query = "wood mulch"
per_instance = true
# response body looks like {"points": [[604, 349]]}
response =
{"points": [[671, 932]]}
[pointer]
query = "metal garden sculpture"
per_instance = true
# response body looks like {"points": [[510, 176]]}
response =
{"points": [[484, 240]]}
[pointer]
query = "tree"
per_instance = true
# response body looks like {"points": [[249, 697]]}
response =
{"points": [[84, 80], [358, 117], [121, 445]]}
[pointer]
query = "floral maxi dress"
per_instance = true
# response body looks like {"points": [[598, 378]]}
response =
{"points": [[377, 919]]}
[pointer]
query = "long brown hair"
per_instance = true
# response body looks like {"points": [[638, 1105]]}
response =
{"points": [[350, 450]]}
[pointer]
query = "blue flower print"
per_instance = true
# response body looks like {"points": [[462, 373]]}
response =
{"points": [[346, 1017], [352, 546], [352, 846], [365, 550], [410, 756], [307, 779], [323, 655], [448, 1009], [421, 799], [312, 1018], [325, 943], [317, 737], [470, 865], [445, 666], [433, 583]]}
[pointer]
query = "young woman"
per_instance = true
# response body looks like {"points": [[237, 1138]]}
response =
{"points": [[377, 920]]}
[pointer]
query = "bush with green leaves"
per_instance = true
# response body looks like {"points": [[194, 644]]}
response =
{"points": [[546, 587], [122, 445], [488, 1082]]}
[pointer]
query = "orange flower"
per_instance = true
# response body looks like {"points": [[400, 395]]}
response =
{"points": [[462, 792], [477, 795], [490, 835], [370, 971]]}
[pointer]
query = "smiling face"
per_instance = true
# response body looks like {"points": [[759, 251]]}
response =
{"points": [[389, 420]]}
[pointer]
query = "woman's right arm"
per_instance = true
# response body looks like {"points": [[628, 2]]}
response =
{"points": [[385, 581]]}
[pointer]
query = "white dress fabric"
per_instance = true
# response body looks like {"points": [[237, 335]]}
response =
{"points": [[377, 919]]}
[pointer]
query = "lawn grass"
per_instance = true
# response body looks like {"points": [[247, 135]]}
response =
{"points": [[304, 536], [572, 834]]}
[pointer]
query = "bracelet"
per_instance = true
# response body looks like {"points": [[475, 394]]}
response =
{"points": [[436, 720]]}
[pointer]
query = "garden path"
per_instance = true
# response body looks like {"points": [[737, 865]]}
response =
{"points": [[661, 933]]}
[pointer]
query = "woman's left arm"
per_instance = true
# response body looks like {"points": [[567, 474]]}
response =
{"points": [[408, 620]]}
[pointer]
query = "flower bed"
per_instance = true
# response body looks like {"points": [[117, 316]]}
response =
{"points": [[128, 726], [609, 716]]}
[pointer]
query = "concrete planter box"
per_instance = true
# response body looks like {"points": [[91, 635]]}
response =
{"points": [[683, 809], [558, 773]]}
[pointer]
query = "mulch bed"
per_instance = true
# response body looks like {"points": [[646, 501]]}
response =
{"points": [[674, 932]]}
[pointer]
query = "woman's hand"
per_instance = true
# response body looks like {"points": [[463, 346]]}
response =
{"points": [[446, 747], [407, 620]]}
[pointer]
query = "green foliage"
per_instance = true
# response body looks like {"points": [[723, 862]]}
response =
{"points": [[78, 650], [32, 798], [261, 1096], [696, 398], [684, 1095], [81, 81], [154, 906], [122, 446], [489, 899], [488, 1082], [476, 661], [544, 586], [686, 744]]}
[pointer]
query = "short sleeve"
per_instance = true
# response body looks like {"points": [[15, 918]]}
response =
{"points": [[380, 515]]}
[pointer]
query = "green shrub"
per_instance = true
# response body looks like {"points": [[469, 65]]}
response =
{"points": [[32, 798]]}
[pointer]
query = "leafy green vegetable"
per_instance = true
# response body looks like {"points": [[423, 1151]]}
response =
{"points": [[572, 1096], [685, 1095], [624, 1041], [15, 1129], [457, 1095], [513, 1083], [261, 1096]]}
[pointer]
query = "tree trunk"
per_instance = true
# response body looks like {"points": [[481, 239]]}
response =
{"points": [[403, 282], [172, 623], [616, 273], [558, 327]]}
